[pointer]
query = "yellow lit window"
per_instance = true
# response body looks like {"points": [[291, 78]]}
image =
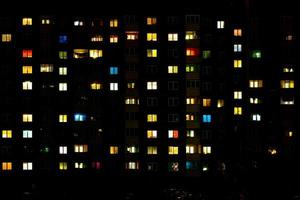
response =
{"points": [[287, 84], [151, 53], [6, 133], [132, 165], [237, 94], [27, 70], [27, 118], [80, 53], [220, 103], [46, 21], [272, 151], [237, 32], [63, 71], [132, 35], [206, 102], [95, 53], [113, 150], [190, 101], [113, 39], [27, 21], [190, 149], [237, 63], [96, 86], [151, 133], [63, 166], [151, 36], [46, 68], [152, 118], [237, 110], [80, 148], [131, 101], [288, 70], [172, 37], [206, 150], [63, 55], [255, 83], [173, 150], [7, 166], [131, 85], [151, 85], [6, 37], [151, 20], [97, 38], [63, 118], [290, 133], [189, 117], [191, 35], [113, 23], [152, 150], [173, 69]]}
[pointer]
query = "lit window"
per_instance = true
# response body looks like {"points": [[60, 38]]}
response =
{"points": [[237, 110], [206, 118], [191, 101], [237, 48], [288, 70], [131, 101], [95, 53], [189, 117], [27, 166], [256, 117], [237, 32], [173, 166], [97, 38], [81, 53], [132, 35], [255, 100], [237, 94], [256, 54], [151, 36], [151, 85], [62, 86], [62, 118], [27, 21], [173, 150], [113, 39], [151, 53], [96, 165], [80, 165], [255, 83], [63, 55], [172, 36], [27, 85], [189, 149], [63, 150], [26, 69], [151, 133], [220, 24], [272, 151], [79, 117], [80, 148], [290, 133], [62, 71], [113, 86], [96, 86], [151, 20], [6, 166], [63, 39], [113, 149], [6, 133], [287, 101], [132, 165], [287, 84], [46, 68], [6, 37], [152, 118], [27, 53], [27, 133], [131, 85], [152, 150], [220, 103], [190, 133], [192, 51], [173, 134], [113, 70], [190, 68], [206, 150], [45, 21], [113, 23], [132, 149], [289, 38], [237, 63], [63, 165], [78, 23], [191, 35], [172, 69], [206, 102], [206, 54], [27, 117]]}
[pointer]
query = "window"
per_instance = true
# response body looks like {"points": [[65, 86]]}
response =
{"points": [[288, 69], [192, 51], [289, 100], [97, 38], [46, 68], [220, 103], [113, 86], [220, 24], [172, 37], [63, 55], [113, 150], [256, 117], [113, 23], [287, 84], [206, 54], [206, 149], [26, 21], [172, 69], [237, 32], [151, 20], [6, 133], [151, 85], [62, 86], [151, 117], [78, 23], [80, 53], [27, 53], [191, 68], [63, 150], [45, 21], [78, 117], [190, 101], [255, 83], [173, 117], [206, 118], [6, 37], [27, 166], [95, 53], [289, 38], [151, 133], [6, 166], [191, 35], [290, 133], [27, 85], [173, 150], [151, 53], [80, 165], [256, 54], [80, 148], [63, 165], [113, 39], [131, 101], [62, 118], [237, 94], [152, 150], [237, 48], [27, 118], [132, 165], [96, 86], [63, 39], [190, 149], [190, 133], [173, 166], [62, 71], [113, 70], [27, 133], [255, 100], [132, 149], [131, 85], [151, 36], [189, 117], [132, 35], [26, 69], [206, 102], [237, 63], [173, 134], [237, 110]]}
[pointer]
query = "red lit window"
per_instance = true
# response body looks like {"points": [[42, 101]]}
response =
{"points": [[96, 165], [27, 53], [173, 134], [192, 52]]}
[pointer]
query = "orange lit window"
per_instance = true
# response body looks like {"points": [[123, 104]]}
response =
{"points": [[206, 102], [113, 39], [237, 32], [27, 53], [192, 52], [6, 166], [173, 134], [113, 149], [151, 20]]}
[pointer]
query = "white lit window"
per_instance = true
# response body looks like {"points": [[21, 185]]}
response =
{"points": [[189, 149], [254, 100], [63, 70], [206, 150], [255, 83], [151, 85], [63, 150], [256, 117], [173, 134], [220, 24], [237, 48], [190, 133], [172, 36], [27, 133], [113, 87], [172, 69], [79, 165], [190, 101], [80, 148], [191, 35], [95, 53], [238, 94], [78, 23], [27, 85], [132, 149], [62, 86], [132, 165], [27, 166]]}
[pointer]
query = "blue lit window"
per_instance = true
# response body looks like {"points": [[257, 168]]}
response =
{"points": [[206, 118], [113, 70], [79, 117], [63, 39], [189, 165]]}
